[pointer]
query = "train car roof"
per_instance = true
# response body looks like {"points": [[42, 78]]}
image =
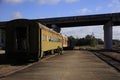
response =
{"points": [[44, 27]]}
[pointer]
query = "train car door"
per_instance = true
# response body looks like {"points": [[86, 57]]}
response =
{"points": [[21, 39]]}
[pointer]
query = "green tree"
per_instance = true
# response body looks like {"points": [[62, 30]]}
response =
{"points": [[71, 41], [93, 42], [88, 40]]}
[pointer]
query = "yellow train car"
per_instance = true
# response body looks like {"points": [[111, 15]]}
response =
{"points": [[51, 40], [65, 42], [27, 40]]}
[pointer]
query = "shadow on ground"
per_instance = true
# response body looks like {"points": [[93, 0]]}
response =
{"points": [[5, 61]]}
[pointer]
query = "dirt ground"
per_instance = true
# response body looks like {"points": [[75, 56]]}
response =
{"points": [[6, 68]]}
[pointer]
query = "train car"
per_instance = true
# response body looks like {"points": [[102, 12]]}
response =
{"points": [[51, 40], [65, 42], [29, 40]]}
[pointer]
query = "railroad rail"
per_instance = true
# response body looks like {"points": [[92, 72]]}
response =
{"points": [[109, 60]]}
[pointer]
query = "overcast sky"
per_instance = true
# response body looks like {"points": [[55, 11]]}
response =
{"points": [[35, 9]]}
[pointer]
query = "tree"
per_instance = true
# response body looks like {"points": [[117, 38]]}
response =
{"points": [[93, 42], [71, 42], [88, 40], [100, 41]]}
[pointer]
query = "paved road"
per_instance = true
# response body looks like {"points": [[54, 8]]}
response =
{"points": [[72, 65]]}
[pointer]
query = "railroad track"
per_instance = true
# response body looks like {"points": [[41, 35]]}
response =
{"points": [[109, 60]]}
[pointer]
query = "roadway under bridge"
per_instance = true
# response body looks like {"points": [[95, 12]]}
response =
{"points": [[108, 20]]}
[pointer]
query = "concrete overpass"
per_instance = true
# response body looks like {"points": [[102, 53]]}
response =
{"points": [[108, 20], [87, 20]]}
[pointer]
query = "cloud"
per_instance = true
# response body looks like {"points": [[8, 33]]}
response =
{"points": [[70, 1], [54, 1], [48, 1], [81, 32], [17, 15], [114, 5], [12, 1], [83, 11], [116, 32], [39, 1], [98, 8]]}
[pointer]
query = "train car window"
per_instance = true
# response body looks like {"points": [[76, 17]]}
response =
{"points": [[49, 38], [54, 39], [44, 37]]}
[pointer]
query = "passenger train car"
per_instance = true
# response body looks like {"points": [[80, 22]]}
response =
{"points": [[65, 42], [29, 40]]}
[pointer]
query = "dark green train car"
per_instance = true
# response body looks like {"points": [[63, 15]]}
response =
{"points": [[23, 40]]}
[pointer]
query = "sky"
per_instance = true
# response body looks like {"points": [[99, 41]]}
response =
{"points": [[37, 9]]}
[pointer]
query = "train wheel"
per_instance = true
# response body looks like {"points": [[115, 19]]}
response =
{"points": [[59, 51]]}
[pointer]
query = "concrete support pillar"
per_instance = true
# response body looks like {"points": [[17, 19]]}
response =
{"points": [[108, 35], [56, 28]]}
